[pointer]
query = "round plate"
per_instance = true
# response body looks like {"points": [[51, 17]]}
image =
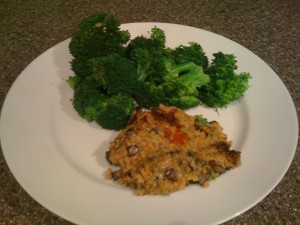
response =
{"points": [[59, 158]]}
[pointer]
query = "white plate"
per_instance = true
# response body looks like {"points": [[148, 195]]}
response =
{"points": [[59, 158]]}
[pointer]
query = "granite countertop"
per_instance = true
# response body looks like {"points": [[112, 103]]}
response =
{"points": [[269, 28]]}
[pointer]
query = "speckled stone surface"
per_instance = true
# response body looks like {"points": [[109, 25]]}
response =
{"points": [[269, 28]]}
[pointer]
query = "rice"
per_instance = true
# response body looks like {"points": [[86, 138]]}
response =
{"points": [[163, 150]]}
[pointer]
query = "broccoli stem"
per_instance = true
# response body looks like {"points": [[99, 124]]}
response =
{"points": [[179, 68], [142, 71]]}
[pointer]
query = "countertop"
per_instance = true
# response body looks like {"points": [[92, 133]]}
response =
{"points": [[269, 28]]}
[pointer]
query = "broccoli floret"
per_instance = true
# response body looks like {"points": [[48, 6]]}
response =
{"points": [[191, 53], [116, 74], [116, 112], [94, 104], [97, 36], [182, 89], [185, 89], [148, 94], [223, 65], [153, 46], [88, 98], [148, 54], [148, 91], [226, 85], [79, 67], [158, 35], [73, 81]]}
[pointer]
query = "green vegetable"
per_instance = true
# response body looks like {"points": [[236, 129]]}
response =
{"points": [[100, 43], [226, 85], [201, 119], [96, 36], [116, 112], [94, 104], [161, 79], [182, 89], [192, 53], [148, 54], [114, 75], [88, 98]]}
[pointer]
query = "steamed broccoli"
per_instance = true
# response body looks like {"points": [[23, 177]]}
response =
{"points": [[162, 79], [79, 66], [148, 95], [226, 85], [94, 104], [191, 53], [148, 91], [182, 88], [96, 36], [99, 39], [158, 35], [113, 75], [116, 74], [116, 112], [88, 97], [179, 86], [147, 54]]}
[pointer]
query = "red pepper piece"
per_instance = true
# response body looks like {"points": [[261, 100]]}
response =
{"points": [[176, 137]]}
